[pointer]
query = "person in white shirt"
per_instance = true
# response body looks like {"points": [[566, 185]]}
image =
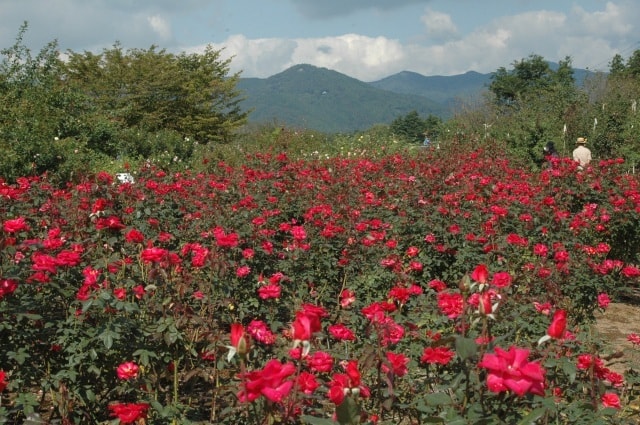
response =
{"points": [[582, 154]]}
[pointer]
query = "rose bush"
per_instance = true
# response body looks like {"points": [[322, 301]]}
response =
{"points": [[434, 288]]}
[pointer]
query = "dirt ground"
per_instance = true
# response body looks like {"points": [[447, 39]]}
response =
{"points": [[614, 325]]}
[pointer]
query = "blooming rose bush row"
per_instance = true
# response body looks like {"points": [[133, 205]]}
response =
{"points": [[400, 289]]}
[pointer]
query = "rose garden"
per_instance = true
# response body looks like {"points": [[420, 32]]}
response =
{"points": [[391, 288]]}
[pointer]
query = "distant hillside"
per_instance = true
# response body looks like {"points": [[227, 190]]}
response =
{"points": [[320, 99], [442, 89], [306, 96]]}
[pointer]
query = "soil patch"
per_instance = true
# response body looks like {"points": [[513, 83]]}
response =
{"points": [[614, 325]]}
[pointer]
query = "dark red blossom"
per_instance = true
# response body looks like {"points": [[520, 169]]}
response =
{"points": [[3, 380], [437, 355], [7, 287], [450, 303], [129, 413], [558, 325], [15, 225]]}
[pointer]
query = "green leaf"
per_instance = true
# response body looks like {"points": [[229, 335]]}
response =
{"points": [[434, 420], [466, 347], [316, 421], [144, 356], [107, 338], [570, 369], [437, 399], [532, 417], [20, 356], [348, 412]]}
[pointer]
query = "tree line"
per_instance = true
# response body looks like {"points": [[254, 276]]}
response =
{"points": [[535, 102], [67, 115]]}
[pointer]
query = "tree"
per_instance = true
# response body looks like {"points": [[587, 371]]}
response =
{"points": [[616, 66], [34, 108], [412, 128], [633, 64], [533, 103], [528, 78], [153, 90]]}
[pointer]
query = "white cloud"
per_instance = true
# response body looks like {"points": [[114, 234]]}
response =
{"points": [[160, 26], [553, 35], [439, 46], [254, 57], [439, 26], [355, 55], [613, 20]]}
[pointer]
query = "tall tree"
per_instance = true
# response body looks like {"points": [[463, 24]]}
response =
{"points": [[151, 89], [528, 78], [633, 64], [616, 66], [533, 103], [412, 128], [34, 108]]}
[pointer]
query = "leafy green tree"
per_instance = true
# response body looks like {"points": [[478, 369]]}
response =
{"points": [[533, 103], [633, 64], [153, 90], [528, 78], [34, 108], [412, 128], [75, 115], [616, 66], [612, 117]]}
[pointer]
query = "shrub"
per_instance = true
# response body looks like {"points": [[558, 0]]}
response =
{"points": [[383, 288]]}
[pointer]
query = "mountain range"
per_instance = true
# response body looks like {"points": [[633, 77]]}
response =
{"points": [[308, 97]]}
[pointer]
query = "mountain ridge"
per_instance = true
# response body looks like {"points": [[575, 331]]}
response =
{"points": [[316, 98], [320, 99]]}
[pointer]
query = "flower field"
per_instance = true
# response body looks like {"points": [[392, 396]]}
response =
{"points": [[429, 287]]}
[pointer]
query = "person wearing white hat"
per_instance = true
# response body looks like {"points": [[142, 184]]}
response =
{"points": [[582, 154]]}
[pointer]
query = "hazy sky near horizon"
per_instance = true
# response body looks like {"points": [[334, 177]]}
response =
{"points": [[365, 39]]}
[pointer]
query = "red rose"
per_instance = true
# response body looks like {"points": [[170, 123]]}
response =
{"points": [[341, 332], [16, 225], [3, 382], [397, 363], [128, 413], [511, 371], [611, 400], [480, 274], [127, 370], [558, 325], [437, 355]]}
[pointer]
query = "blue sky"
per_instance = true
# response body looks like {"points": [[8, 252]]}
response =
{"points": [[365, 39]]}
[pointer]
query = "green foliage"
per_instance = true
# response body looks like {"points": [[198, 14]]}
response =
{"points": [[383, 224], [33, 108], [413, 129], [65, 117]]}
